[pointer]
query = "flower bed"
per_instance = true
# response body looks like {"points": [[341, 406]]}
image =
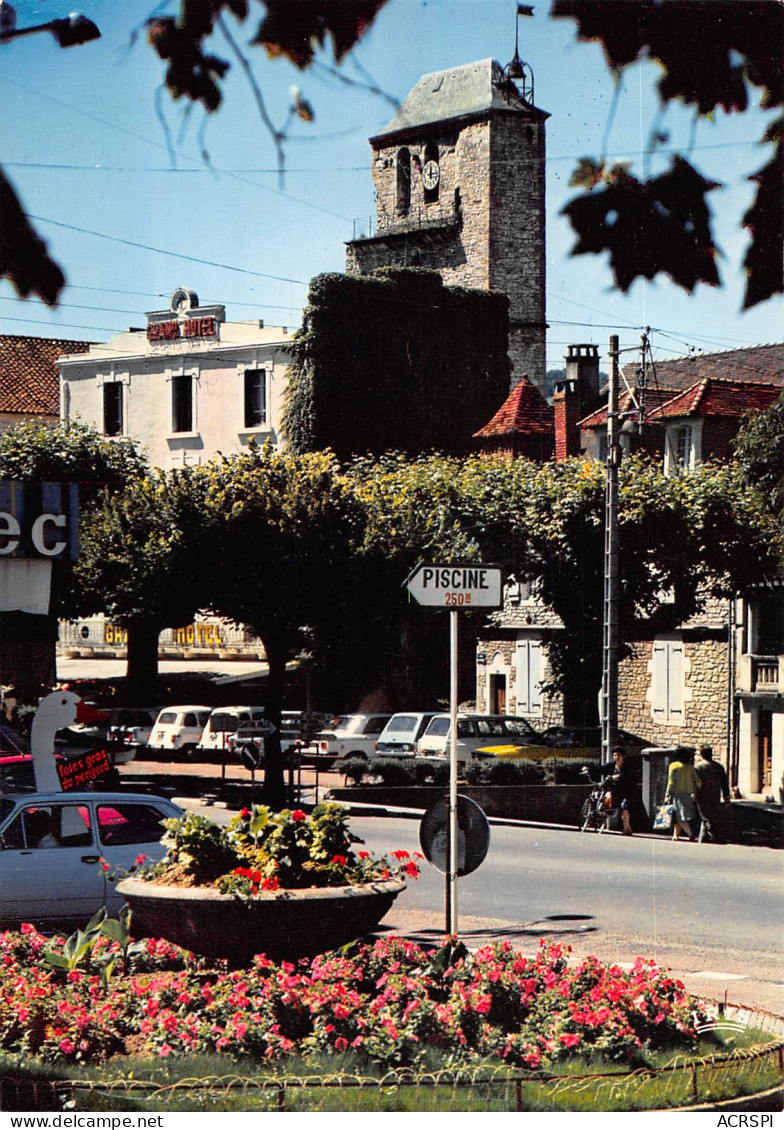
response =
{"points": [[285, 884], [391, 1003]]}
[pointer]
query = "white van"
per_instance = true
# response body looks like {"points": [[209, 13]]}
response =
{"points": [[402, 732], [179, 728], [474, 731], [224, 722], [351, 735]]}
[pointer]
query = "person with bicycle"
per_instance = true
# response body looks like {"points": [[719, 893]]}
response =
{"points": [[619, 786]]}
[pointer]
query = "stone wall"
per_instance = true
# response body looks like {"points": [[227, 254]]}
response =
{"points": [[485, 230], [552, 705], [705, 700]]}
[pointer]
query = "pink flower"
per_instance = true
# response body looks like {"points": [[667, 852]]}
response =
{"points": [[67, 1047], [341, 1043], [140, 859], [569, 1039], [27, 928], [165, 1050]]}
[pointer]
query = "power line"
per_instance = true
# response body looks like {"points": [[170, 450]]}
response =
{"points": [[162, 251]]}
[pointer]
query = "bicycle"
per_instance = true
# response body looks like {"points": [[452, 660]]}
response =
{"points": [[595, 815]]}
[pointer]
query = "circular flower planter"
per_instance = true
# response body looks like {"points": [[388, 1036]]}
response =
{"points": [[281, 924]]}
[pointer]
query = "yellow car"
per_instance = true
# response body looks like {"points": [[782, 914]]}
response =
{"points": [[564, 742]]}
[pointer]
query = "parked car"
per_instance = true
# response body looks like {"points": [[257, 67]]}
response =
{"points": [[51, 845], [350, 735], [473, 732], [178, 729], [402, 732], [132, 725], [566, 742], [223, 722], [586, 741]]}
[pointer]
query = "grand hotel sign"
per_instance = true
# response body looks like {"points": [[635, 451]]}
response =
{"points": [[187, 321]]}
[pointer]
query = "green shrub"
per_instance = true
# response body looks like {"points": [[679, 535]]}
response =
{"points": [[433, 771], [393, 773], [566, 771], [500, 771], [355, 769]]}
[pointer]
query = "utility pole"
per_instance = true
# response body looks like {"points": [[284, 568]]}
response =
{"points": [[610, 626]]}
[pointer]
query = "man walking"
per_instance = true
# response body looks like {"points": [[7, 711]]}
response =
{"points": [[714, 788]]}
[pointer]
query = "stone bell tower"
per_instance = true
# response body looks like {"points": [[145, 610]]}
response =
{"points": [[459, 177]]}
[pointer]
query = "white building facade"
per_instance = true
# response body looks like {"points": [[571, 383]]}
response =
{"points": [[188, 386]]}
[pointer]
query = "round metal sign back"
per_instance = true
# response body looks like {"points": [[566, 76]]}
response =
{"points": [[473, 835]]}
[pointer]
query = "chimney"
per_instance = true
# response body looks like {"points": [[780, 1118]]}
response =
{"points": [[574, 397], [566, 406]]}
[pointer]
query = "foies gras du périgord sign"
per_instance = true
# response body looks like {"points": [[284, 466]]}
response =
{"points": [[456, 586]]}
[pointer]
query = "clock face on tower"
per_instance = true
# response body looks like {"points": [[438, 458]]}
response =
{"points": [[430, 174]]}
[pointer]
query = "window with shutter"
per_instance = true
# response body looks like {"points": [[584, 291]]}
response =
{"points": [[667, 681], [529, 677]]}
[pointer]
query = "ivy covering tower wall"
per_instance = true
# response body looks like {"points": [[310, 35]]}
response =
{"points": [[395, 361]]}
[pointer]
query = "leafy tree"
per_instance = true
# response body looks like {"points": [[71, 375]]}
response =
{"points": [[686, 536], [34, 452], [278, 528], [141, 563], [710, 56], [759, 451]]}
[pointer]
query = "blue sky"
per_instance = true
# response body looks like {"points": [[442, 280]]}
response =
{"points": [[85, 146]]}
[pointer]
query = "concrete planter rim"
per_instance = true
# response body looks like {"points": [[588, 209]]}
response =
{"points": [[163, 891]]}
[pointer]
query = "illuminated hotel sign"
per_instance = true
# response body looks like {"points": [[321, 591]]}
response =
{"points": [[174, 330], [184, 320]]}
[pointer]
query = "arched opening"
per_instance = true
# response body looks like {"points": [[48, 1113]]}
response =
{"points": [[403, 198]]}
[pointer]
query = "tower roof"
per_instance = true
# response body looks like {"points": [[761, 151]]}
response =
{"points": [[469, 91], [524, 412]]}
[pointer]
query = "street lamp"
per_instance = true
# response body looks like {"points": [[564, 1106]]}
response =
{"points": [[70, 31]]}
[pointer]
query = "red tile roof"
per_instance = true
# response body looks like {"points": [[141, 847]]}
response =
{"points": [[717, 397], [29, 379], [524, 412], [757, 364], [654, 397]]}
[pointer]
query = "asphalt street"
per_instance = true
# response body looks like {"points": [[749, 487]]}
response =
{"points": [[714, 913]]}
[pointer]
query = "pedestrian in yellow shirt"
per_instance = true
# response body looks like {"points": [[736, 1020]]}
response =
{"points": [[682, 787]]}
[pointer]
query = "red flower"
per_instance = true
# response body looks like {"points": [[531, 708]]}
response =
{"points": [[298, 816], [244, 814], [340, 860], [364, 854], [569, 1039], [140, 859], [400, 855], [411, 869]]}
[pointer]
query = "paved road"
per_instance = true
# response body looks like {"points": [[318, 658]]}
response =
{"points": [[713, 913]]}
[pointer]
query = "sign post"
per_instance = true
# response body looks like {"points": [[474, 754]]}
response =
{"points": [[454, 587]]}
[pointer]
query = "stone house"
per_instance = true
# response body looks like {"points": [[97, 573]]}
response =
{"points": [[720, 677]]}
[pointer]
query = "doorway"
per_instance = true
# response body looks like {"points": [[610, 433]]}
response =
{"points": [[498, 694], [764, 750]]}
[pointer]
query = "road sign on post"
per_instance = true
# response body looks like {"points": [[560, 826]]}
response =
{"points": [[454, 587]]}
